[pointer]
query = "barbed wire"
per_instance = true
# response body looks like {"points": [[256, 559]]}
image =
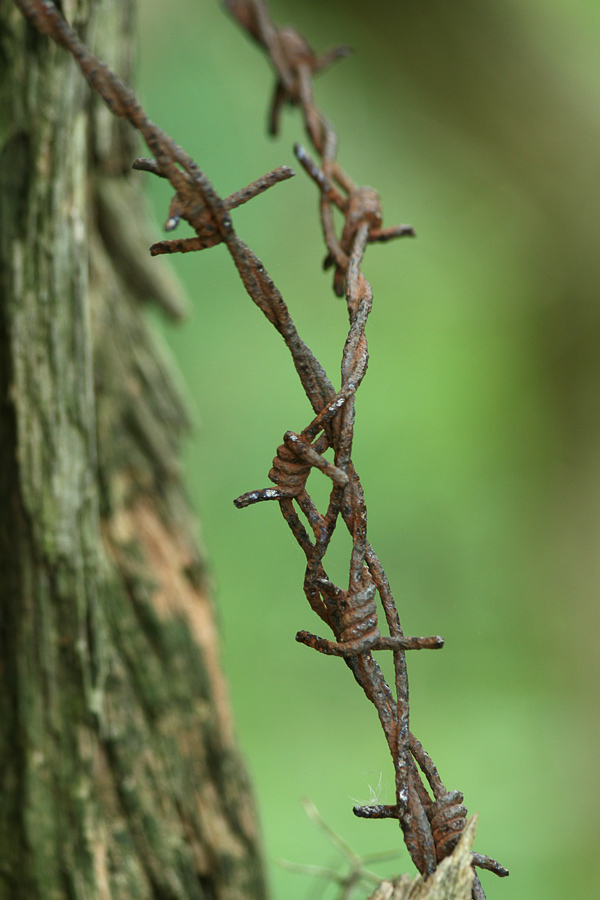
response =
{"points": [[431, 826]]}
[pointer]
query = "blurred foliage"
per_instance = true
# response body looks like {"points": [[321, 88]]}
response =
{"points": [[478, 123]]}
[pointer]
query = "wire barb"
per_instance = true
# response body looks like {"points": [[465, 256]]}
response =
{"points": [[362, 204], [185, 204]]}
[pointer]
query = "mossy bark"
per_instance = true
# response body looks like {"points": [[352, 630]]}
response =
{"points": [[119, 776]]}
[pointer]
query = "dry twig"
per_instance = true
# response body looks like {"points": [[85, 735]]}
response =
{"points": [[356, 873], [431, 826]]}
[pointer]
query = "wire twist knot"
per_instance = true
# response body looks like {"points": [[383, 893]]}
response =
{"points": [[448, 818]]}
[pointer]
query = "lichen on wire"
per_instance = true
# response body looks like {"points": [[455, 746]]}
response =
{"points": [[431, 817]]}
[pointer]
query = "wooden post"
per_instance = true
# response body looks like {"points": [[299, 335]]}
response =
{"points": [[119, 775]]}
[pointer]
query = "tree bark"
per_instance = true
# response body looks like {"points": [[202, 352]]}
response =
{"points": [[119, 775]]}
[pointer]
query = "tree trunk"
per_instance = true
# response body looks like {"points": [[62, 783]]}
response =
{"points": [[119, 777]]}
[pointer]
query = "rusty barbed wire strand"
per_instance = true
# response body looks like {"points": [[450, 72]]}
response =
{"points": [[431, 827]]}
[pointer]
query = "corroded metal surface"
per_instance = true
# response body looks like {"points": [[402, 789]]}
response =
{"points": [[431, 826]]}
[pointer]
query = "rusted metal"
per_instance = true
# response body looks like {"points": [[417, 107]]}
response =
{"points": [[184, 205], [448, 818], [293, 58], [431, 818], [431, 827], [358, 630], [362, 204]]}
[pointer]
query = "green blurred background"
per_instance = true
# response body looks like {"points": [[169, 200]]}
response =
{"points": [[479, 123]]}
